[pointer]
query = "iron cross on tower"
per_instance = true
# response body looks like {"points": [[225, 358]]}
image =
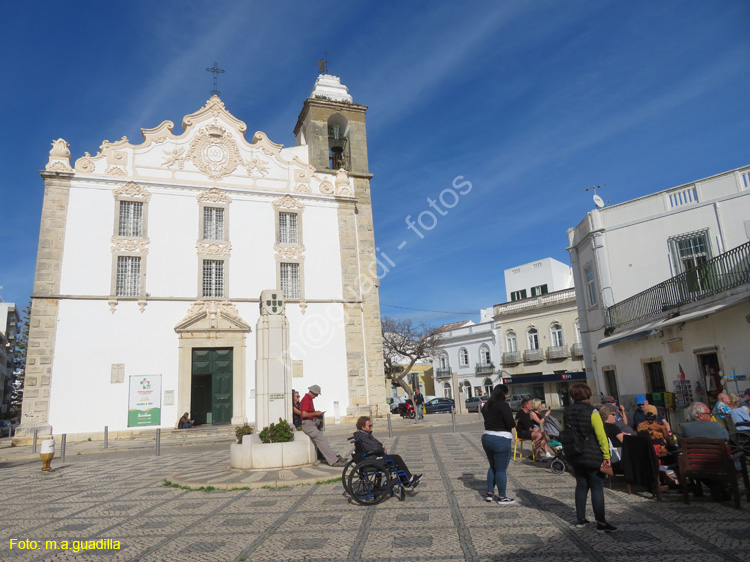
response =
{"points": [[215, 70]]}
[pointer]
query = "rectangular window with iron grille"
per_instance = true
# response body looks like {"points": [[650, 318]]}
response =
{"points": [[213, 223], [288, 228], [128, 282], [213, 278], [131, 219], [290, 280]]}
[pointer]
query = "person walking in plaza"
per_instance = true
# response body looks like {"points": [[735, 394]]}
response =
{"points": [[312, 419], [586, 423], [496, 442], [372, 445], [418, 402]]}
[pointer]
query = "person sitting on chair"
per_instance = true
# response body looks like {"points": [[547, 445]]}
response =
{"points": [[700, 426], [184, 422], [372, 445], [525, 429]]}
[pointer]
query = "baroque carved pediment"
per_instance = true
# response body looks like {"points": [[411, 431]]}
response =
{"points": [[214, 195], [205, 316], [288, 202], [131, 189]]}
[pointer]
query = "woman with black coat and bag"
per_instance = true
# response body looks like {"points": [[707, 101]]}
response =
{"points": [[496, 442], [592, 460]]}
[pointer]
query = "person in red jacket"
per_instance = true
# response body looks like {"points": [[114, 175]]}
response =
{"points": [[312, 419]]}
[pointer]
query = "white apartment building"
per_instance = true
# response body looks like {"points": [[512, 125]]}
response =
{"points": [[530, 342], [663, 288], [466, 363], [9, 325]]}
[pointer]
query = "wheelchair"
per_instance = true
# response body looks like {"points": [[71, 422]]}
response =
{"points": [[369, 478]]}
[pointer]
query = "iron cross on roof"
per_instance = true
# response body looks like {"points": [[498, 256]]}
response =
{"points": [[215, 70]]}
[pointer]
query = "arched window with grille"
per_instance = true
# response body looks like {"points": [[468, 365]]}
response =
{"points": [[447, 393]]}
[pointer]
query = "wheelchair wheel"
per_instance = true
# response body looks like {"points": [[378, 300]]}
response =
{"points": [[557, 466], [369, 483], [345, 475]]}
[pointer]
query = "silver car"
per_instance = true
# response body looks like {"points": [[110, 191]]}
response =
{"points": [[475, 403], [514, 400]]}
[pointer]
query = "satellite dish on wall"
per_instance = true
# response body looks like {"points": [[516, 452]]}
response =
{"points": [[598, 201]]}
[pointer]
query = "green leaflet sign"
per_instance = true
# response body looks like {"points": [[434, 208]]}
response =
{"points": [[144, 406]]}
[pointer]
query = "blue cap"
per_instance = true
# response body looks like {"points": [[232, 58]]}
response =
{"points": [[640, 399]]}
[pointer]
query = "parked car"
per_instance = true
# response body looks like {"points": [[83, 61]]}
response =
{"points": [[6, 428], [514, 400], [475, 403], [437, 405]]}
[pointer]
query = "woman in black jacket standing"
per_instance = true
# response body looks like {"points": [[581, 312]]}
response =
{"points": [[496, 442], [588, 465]]}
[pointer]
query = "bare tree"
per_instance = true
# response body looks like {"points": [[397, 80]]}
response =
{"points": [[405, 341]]}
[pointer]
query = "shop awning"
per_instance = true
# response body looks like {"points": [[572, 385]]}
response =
{"points": [[634, 334], [541, 377]]}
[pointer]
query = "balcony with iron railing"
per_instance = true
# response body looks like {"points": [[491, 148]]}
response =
{"points": [[530, 355], [726, 271], [511, 357], [483, 368], [557, 352], [443, 373], [576, 350]]}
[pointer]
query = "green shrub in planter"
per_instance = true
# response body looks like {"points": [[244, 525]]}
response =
{"points": [[242, 430], [280, 432]]}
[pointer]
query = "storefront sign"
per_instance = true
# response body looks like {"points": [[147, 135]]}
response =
{"points": [[144, 406], [541, 377]]}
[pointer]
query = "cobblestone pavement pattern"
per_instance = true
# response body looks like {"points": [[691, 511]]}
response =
{"points": [[123, 497]]}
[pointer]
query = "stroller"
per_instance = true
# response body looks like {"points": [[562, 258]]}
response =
{"points": [[552, 428]]}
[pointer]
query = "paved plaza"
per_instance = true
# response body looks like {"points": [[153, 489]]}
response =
{"points": [[121, 496]]}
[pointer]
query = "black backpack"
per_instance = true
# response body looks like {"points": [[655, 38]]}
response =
{"points": [[573, 443]]}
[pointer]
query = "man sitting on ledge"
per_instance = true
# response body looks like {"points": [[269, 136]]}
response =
{"points": [[312, 419]]}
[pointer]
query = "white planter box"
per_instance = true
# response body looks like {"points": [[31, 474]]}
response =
{"points": [[252, 453]]}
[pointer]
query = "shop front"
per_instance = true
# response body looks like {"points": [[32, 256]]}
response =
{"points": [[550, 388]]}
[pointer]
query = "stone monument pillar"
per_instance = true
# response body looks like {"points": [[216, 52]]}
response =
{"points": [[273, 365]]}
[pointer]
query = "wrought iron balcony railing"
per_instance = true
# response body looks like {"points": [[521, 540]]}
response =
{"points": [[511, 357], [576, 350], [557, 352], [484, 368], [442, 373], [725, 271], [533, 355]]}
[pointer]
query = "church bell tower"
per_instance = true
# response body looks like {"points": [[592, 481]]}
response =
{"points": [[332, 127]]}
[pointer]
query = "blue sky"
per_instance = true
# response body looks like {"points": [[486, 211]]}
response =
{"points": [[530, 101]]}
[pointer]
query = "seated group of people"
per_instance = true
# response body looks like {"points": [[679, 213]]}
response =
{"points": [[702, 423], [530, 425]]}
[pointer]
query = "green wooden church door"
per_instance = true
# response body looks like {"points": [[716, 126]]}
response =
{"points": [[212, 379]]}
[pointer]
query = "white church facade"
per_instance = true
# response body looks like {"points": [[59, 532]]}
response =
{"points": [[152, 258]]}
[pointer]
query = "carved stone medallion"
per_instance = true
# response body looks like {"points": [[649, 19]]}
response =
{"points": [[214, 152]]}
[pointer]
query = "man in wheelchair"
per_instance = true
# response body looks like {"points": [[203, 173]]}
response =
{"points": [[367, 444]]}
